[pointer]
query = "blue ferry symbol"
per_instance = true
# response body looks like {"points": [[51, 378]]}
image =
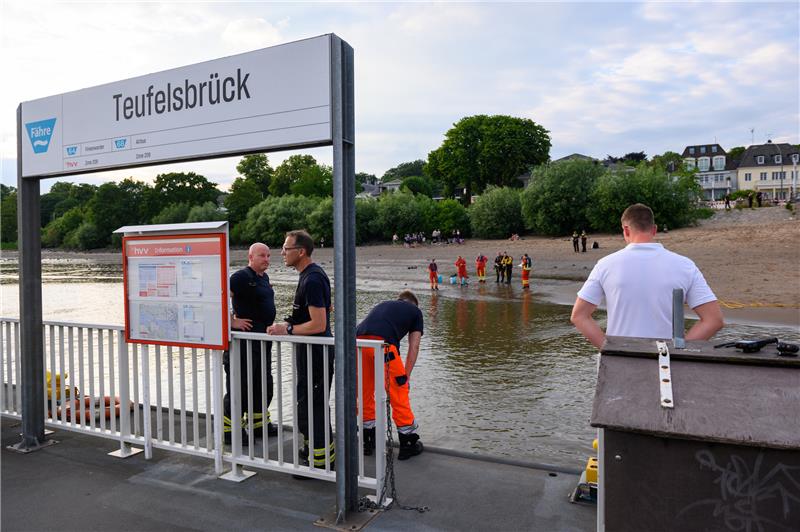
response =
{"points": [[71, 150], [40, 133], [120, 143]]}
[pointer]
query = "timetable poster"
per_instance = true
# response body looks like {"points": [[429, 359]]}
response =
{"points": [[175, 290]]}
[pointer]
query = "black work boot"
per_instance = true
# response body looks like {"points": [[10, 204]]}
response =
{"points": [[369, 441], [409, 446]]}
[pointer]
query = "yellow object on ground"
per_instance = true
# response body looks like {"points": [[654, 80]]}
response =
{"points": [[58, 379]]}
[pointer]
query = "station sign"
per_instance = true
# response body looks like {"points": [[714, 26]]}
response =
{"points": [[176, 290], [265, 100]]}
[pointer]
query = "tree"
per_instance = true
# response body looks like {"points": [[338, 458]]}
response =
{"points": [[207, 212], [269, 221], [142, 199], [174, 213], [183, 187], [367, 227], [320, 221], [674, 201], [56, 231], [555, 201], [316, 180], [256, 168], [403, 170], [289, 172], [398, 212], [735, 154], [111, 208], [670, 162], [487, 150], [243, 195], [365, 178], [452, 215], [8, 214], [418, 184], [496, 213]]}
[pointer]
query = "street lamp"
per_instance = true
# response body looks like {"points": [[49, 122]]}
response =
{"points": [[795, 156], [781, 174]]}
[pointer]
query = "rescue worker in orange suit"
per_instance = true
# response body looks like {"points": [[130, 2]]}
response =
{"points": [[480, 267], [433, 273], [390, 322], [461, 269], [526, 264]]}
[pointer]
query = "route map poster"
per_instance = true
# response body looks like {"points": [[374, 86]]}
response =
{"points": [[176, 290]]}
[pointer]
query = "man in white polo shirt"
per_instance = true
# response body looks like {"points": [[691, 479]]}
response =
{"points": [[637, 282]]}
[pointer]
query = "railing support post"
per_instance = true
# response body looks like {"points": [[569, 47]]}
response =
{"points": [[125, 449]]}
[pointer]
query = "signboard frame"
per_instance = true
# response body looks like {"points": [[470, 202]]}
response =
{"points": [[224, 303]]}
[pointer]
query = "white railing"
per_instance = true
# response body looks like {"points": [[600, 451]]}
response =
{"points": [[171, 398]]}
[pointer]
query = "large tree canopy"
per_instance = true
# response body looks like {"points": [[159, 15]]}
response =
{"points": [[300, 174], [482, 150], [256, 168], [184, 187], [403, 170]]}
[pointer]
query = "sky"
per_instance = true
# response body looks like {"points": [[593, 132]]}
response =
{"points": [[602, 78]]}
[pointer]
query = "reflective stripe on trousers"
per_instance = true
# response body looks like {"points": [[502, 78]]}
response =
{"points": [[396, 382]]}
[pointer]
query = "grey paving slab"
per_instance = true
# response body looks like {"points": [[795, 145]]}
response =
{"points": [[75, 485]]}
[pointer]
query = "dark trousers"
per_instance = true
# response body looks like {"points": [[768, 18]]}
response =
{"points": [[575, 244], [497, 270], [318, 403], [508, 274], [256, 390], [583, 245]]}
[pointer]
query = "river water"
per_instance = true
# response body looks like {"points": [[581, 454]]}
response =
{"points": [[500, 371]]}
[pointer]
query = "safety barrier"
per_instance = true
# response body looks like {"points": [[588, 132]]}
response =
{"points": [[171, 398]]}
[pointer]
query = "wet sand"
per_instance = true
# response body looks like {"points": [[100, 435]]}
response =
{"points": [[750, 258]]}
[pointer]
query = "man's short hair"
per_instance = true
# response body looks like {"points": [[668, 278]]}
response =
{"points": [[303, 240], [639, 216], [408, 295]]}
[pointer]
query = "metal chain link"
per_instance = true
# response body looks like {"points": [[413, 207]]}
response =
{"points": [[364, 503]]}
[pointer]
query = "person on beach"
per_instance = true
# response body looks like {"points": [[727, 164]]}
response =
{"points": [[508, 265], [390, 322], [433, 274], [480, 267], [311, 316], [253, 302], [498, 266], [526, 264], [461, 271], [584, 237], [637, 282], [575, 241]]}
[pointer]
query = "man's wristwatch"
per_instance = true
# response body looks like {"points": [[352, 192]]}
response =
{"points": [[289, 329]]}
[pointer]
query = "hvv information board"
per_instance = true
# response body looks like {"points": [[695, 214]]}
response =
{"points": [[176, 290], [265, 100]]}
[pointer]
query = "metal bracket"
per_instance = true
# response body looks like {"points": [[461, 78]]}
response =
{"points": [[664, 375]]}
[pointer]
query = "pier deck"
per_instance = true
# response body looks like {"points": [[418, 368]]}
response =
{"points": [[75, 485]]}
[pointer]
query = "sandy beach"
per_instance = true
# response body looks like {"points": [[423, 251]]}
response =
{"points": [[750, 258]]}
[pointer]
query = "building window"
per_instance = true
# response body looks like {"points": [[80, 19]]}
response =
{"points": [[691, 150], [703, 164], [714, 148], [763, 176], [748, 176], [775, 176], [719, 162], [689, 162], [702, 149], [760, 159], [777, 159], [795, 158]]}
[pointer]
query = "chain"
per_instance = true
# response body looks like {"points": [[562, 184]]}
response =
{"points": [[366, 504]]}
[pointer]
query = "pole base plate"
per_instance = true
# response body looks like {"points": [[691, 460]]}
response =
{"points": [[354, 520], [24, 448]]}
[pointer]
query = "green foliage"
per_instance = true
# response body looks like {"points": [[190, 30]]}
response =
{"points": [[8, 214], [404, 170], [256, 169], [704, 213], [418, 184], [400, 213], [674, 201], [320, 221], [496, 213], [740, 194], [363, 177], [269, 221], [452, 215], [56, 231], [243, 195], [482, 150], [316, 181], [175, 213], [111, 208], [183, 187], [299, 169], [670, 162], [207, 212], [735, 154], [367, 228], [555, 201], [86, 236]]}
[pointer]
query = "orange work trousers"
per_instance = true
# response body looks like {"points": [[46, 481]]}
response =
{"points": [[396, 382], [481, 270], [525, 276]]}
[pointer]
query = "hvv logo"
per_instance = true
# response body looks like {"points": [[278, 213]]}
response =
{"points": [[40, 133]]}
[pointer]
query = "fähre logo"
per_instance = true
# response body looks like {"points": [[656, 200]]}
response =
{"points": [[40, 133]]}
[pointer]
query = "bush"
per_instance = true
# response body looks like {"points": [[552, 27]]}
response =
{"points": [[557, 198], [704, 213], [399, 212], [452, 215], [86, 236], [367, 227], [270, 220], [320, 221], [496, 213], [674, 202], [56, 231], [207, 212], [174, 213]]}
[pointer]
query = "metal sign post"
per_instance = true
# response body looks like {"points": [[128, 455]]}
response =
{"points": [[255, 102]]}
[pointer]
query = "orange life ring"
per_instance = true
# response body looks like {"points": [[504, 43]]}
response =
{"points": [[104, 404]]}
